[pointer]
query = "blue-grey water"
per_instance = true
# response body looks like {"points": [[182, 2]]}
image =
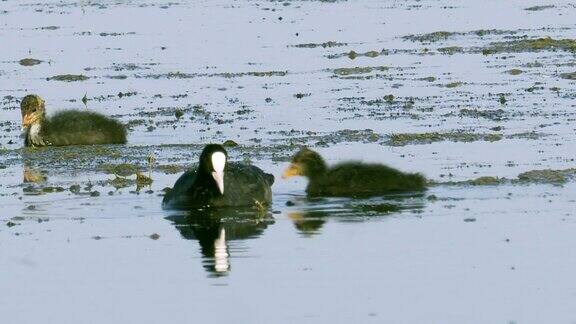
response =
{"points": [[268, 75]]}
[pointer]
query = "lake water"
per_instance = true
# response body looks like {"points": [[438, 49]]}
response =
{"points": [[456, 90]]}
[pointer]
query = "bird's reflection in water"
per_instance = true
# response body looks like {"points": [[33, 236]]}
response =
{"points": [[33, 175], [309, 215], [308, 222], [214, 229]]}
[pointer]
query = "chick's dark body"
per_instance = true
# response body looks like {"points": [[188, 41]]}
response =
{"points": [[355, 179], [72, 127], [350, 179]]}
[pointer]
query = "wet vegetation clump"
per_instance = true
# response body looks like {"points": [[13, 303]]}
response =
{"points": [[299, 138], [451, 50], [568, 76], [548, 176], [358, 70], [69, 77], [514, 71], [454, 84], [531, 45], [122, 170], [229, 75], [430, 37], [402, 139], [491, 114], [539, 8], [486, 181], [323, 45], [353, 54], [29, 62], [445, 35]]}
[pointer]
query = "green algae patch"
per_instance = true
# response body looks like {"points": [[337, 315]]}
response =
{"points": [[547, 176], [182, 75], [323, 45], [539, 8], [123, 169], [486, 181], [254, 74], [481, 181], [171, 168], [492, 114], [120, 182], [430, 37], [451, 50], [531, 45], [69, 77], [403, 139], [514, 71], [353, 54], [309, 138], [568, 76], [445, 35], [428, 79], [51, 189], [29, 62], [454, 84], [526, 135], [358, 70], [372, 54]]}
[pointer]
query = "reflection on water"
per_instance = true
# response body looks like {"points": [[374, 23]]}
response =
{"points": [[33, 176], [214, 229], [308, 222], [310, 214], [31, 173]]}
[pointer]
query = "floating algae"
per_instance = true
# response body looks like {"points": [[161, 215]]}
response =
{"points": [[548, 176], [402, 139], [323, 45], [531, 45], [29, 62], [568, 76], [68, 77], [358, 70]]}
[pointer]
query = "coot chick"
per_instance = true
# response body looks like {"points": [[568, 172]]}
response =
{"points": [[69, 127], [215, 183], [350, 179]]}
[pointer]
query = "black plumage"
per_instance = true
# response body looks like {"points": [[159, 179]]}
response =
{"points": [[351, 179], [69, 127], [243, 185]]}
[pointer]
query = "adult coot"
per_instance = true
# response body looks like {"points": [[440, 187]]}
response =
{"points": [[69, 127], [350, 179], [217, 183]]}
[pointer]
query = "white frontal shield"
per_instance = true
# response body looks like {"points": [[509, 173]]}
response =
{"points": [[218, 163]]}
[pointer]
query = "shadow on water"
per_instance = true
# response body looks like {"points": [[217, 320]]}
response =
{"points": [[310, 214], [214, 229]]}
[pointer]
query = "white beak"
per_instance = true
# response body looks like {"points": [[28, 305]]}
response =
{"points": [[219, 178]]}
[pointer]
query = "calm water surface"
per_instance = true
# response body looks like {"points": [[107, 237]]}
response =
{"points": [[264, 75]]}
